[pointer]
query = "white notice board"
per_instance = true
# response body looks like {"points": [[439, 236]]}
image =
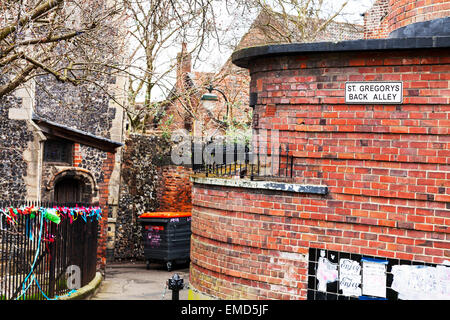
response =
{"points": [[374, 277], [374, 92]]}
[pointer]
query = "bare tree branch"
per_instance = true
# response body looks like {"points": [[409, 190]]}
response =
{"points": [[51, 36], [34, 14]]}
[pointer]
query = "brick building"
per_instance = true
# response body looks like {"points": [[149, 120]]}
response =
{"points": [[370, 184]]}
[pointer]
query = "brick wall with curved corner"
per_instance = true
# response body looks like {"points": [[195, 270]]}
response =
{"points": [[387, 169], [405, 12], [386, 16]]}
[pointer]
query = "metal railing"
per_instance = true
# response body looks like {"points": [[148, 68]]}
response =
{"points": [[36, 253], [243, 161]]}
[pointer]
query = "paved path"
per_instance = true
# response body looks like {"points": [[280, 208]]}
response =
{"points": [[132, 281]]}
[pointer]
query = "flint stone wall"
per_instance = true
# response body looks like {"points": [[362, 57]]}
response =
{"points": [[14, 139]]}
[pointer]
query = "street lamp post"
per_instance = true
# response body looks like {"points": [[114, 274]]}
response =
{"points": [[210, 96]]}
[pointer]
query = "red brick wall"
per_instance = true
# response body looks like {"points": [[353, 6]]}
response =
{"points": [[77, 158], [175, 189], [386, 167], [107, 168], [375, 22], [404, 12], [386, 16]]}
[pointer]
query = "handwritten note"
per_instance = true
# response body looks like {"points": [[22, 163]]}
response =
{"points": [[413, 282], [350, 277], [347, 266], [374, 277]]}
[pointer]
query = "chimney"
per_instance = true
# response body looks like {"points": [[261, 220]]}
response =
{"points": [[183, 65]]}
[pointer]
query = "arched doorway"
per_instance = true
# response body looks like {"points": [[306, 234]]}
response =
{"points": [[68, 190], [72, 186]]}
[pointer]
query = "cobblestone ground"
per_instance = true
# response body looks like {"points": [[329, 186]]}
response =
{"points": [[132, 281]]}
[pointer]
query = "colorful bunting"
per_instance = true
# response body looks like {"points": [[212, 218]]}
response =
{"points": [[55, 214]]}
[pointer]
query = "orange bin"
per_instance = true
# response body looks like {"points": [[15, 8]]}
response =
{"points": [[165, 214], [166, 236]]}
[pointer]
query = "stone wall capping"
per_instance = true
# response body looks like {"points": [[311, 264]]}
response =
{"points": [[266, 185], [242, 57]]}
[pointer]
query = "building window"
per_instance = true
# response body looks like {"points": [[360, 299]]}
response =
{"points": [[59, 151]]}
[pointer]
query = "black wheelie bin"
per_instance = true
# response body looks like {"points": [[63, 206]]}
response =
{"points": [[167, 237]]}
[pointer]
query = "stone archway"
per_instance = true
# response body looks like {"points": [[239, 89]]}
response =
{"points": [[73, 185]]}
